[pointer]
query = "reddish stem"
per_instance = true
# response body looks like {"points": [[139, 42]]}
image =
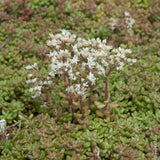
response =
{"points": [[81, 105], [106, 87], [90, 94], [69, 95]]}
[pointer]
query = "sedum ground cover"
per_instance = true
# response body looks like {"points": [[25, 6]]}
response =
{"points": [[37, 130]]}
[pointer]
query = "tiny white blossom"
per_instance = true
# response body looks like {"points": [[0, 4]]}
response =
{"points": [[2, 125], [30, 75], [59, 65], [134, 60], [91, 77], [70, 89], [80, 90], [65, 32], [91, 62], [71, 75], [32, 80], [51, 54], [85, 84], [75, 49], [31, 90], [28, 81], [31, 66], [128, 50], [127, 14], [37, 94], [101, 70], [7, 135], [36, 88], [75, 60]]}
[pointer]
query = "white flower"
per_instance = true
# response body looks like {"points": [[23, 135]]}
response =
{"points": [[85, 84], [119, 68], [134, 60], [77, 87], [127, 14], [34, 80], [51, 35], [59, 65], [129, 22], [101, 70], [49, 82], [52, 74], [31, 67], [71, 75], [28, 81], [28, 67], [2, 125], [129, 60], [128, 51], [113, 23], [51, 54], [67, 65], [81, 93], [46, 82], [57, 47], [80, 90], [36, 88], [75, 60], [91, 77], [70, 89], [104, 41], [85, 52], [37, 94], [121, 64], [30, 75], [65, 32], [91, 62], [109, 47], [64, 53], [75, 49], [7, 135], [31, 90]]}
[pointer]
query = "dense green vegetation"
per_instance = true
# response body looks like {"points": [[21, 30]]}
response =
{"points": [[39, 132]]}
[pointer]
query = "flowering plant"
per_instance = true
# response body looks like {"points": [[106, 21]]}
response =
{"points": [[81, 63]]}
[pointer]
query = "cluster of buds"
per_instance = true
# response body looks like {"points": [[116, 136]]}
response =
{"points": [[127, 22], [37, 82], [80, 62]]}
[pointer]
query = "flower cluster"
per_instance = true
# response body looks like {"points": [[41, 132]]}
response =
{"points": [[38, 82], [127, 22], [80, 62]]}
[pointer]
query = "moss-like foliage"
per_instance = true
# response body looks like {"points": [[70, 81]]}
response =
{"points": [[50, 138]]}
